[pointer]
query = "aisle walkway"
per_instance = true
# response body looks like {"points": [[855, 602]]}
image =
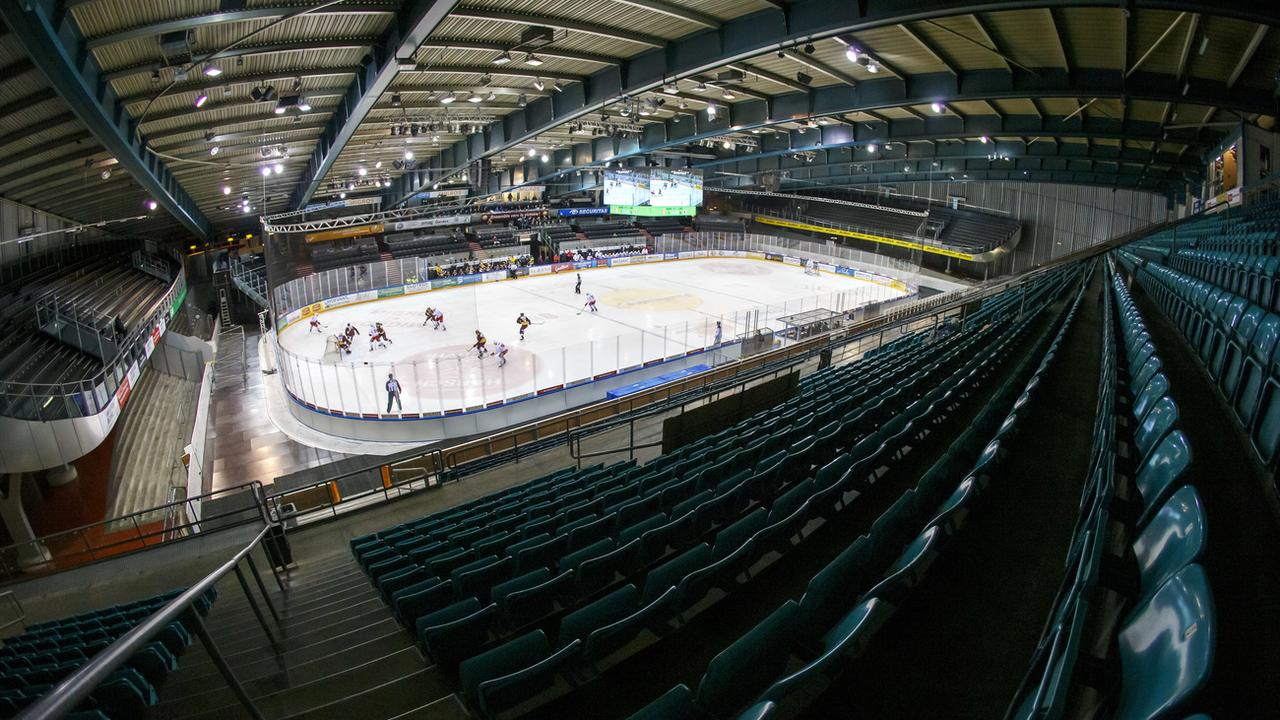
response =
{"points": [[1243, 551], [959, 645]]}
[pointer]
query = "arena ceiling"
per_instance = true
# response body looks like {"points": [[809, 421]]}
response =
{"points": [[106, 105]]}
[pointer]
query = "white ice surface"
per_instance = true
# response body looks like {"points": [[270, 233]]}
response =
{"points": [[646, 311]]}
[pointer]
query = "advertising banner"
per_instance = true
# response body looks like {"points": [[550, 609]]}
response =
{"points": [[417, 287], [787, 259], [671, 256], [582, 211], [861, 236], [493, 276], [433, 222], [755, 255], [541, 269], [443, 283], [390, 291], [561, 267], [341, 233], [651, 211], [585, 264], [619, 261], [468, 279], [773, 257], [312, 309]]}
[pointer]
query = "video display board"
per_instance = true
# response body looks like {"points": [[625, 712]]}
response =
{"points": [[626, 186], [672, 188]]}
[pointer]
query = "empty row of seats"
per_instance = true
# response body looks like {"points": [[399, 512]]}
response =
{"points": [[489, 236], [774, 667], [663, 226], [32, 663], [702, 514], [604, 230], [1133, 600], [425, 244], [1234, 338], [559, 233], [329, 256]]}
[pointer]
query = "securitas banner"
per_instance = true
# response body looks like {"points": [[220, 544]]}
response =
{"points": [[582, 211]]}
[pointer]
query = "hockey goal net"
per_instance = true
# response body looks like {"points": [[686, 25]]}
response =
{"points": [[810, 267], [331, 352]]}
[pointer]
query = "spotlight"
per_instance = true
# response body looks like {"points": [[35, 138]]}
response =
{"points": [[539, 85], [361, 172], [226, 189], [522, 100], [532, 60], [408, 154], [212, 71], [984, 139], [266, 170], [906, 169], [808, 48], [155, 76], [386, 183], [544, 157], [727, 144], [277, 168], [474, 97], [395, 99], [279, 110], [342, 195], [872, 148], [214, 150], [503, 58], [492, 96], [532, 152], [201, 99], [728, 94], [245, 209], [152, 205], [851, 54], [105, 174], [446, 99], [377, 165], [304, 105], [937, 107], [873, 68]]}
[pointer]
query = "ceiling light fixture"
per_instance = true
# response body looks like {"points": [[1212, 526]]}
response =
{"points": [[937, 108], [851, 54], [532, 60], [872, 67], [277, 168], [361, 172], [226, 189], [522, 100], [201, 99], [711, 110], [266, 170], [105, 174], [446, 99], [503, 58], [539, 85], [408, 154], [984, 139], [152, 205], [212, 71], [544, 157], [532, 152], [474, 97], [214, 150], [304, 105], [872, 148], [377, 165]]}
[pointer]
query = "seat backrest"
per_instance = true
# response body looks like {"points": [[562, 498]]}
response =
{"points": [[735, 675], [732, 537], [1156, 388], [1158, 421], [670, 573], [1172, 539], [502, 660], [614, 606], [834, 588], [675, 704], [1160, 474], [1166, 647]]}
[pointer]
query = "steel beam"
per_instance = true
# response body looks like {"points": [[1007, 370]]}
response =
{"points": [[206, 84], [245, 51], [413, 23], [767, 31], [234, 11], [570, 25], [550, 51], [49, 37], [675, 11]]}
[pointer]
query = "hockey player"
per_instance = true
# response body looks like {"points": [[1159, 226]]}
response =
{"points": [[524, 322], [591, 303], [315, 326], [343, 343], [577, 289], [350, 331], [382, 333], [479, 345], [438, 319], [430, 315], [500, 348]]}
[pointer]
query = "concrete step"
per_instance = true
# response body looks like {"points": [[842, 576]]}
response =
{"points": [[251, 648], [394, 697], [327, 658], [310, 690]]}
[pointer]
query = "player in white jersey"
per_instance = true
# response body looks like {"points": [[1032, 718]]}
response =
{"points": [[591, 303], [500, 349]]}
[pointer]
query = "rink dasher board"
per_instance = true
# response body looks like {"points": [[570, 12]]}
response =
{"points": [[419, 288]]}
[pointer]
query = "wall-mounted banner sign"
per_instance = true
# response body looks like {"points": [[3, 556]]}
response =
{"points": [[433, 222], [340, 233], [582, 211], [649, 211]]}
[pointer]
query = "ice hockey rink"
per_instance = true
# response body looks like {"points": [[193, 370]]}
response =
{"points": [[647, 311]]}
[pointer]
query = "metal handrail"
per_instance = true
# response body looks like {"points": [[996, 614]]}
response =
{"points": [[67, 695], [20, 616]]}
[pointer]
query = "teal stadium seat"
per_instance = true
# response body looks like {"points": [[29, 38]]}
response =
{"points": [[1166, 648], [511, 673], [733, 677]]}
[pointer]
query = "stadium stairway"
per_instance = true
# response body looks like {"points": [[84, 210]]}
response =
{"points": [[341, 656], [962, 639], [1240, 555], [147, 459]]}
